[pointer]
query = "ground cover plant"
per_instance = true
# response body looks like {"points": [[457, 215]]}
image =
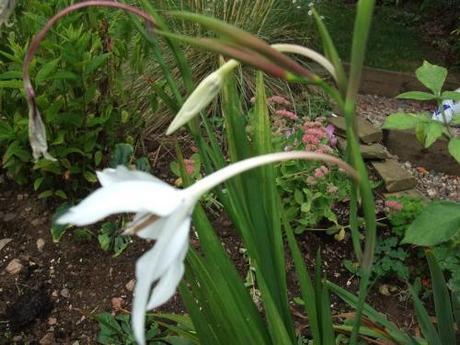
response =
{"points": [[250, 161]]}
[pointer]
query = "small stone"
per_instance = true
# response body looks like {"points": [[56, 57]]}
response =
{"points": [[48, 339], [130, 285], [52, 321], [36, 222], [65, 293], [14, 267], [117, 303], [40, 244], [432, 193], [55, 294]]}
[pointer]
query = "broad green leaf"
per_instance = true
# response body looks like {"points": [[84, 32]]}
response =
{"points": [[401, 121], [432, 76], [90, 176], [38, 182], [437, 223], [58, 230], [11, 84], [11, 75], [417, 95], [143, 164], [46, 70], [96, 63], [454, 148], [61, 194], [6, 131], [433, 131], [121, 155], [453, 95]]}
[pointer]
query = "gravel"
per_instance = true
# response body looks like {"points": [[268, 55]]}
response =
{"points": [[432, 184]]}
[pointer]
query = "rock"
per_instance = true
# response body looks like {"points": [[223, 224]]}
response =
{"points": [[405, 145], [65, 293], [48, 339], [52, 321], [410, 193], [14, 266], [369, 152], [130, 285], [367, 133], [394, 175], [40, 244], [4, 242], [117, 303]]}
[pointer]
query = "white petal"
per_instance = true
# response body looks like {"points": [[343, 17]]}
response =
{"points": [[130, 196], [141, 296], [172, 240], [153, 230], [167, 285], [121, 174], [154, 264]]}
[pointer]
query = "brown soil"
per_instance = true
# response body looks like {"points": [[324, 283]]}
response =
{"points": [[62, 286]]}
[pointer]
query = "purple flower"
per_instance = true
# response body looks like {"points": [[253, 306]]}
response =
{"points": [[330, 129]]}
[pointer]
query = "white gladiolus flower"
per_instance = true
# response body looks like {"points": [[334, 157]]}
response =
{"points": [[203, 94], [163, 213]]}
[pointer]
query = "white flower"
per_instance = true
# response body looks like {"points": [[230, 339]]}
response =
{"points": [[163, 213], [203, 94], [134, 191]]}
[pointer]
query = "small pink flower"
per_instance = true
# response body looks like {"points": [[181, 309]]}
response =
{"points": [[393, 205], [311, 124], [310, 139], [286, 113], [278, 100], [321, 171], [319, 132], [189, 166], [194, 149]]}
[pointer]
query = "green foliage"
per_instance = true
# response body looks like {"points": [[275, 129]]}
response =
{"points": [[110, 239], [390, 259], [80, 82], [432, 76], [437, 223], [427, 130], [401, 219], [116, 330]]}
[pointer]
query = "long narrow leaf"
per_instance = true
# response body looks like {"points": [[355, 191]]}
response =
{"points": [[441, 296], [424, 320]]}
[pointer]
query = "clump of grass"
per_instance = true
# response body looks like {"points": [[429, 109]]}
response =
{"points": [[272, 20]]}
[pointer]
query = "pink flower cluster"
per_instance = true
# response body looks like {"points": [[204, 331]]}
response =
{"points": [[315, 137], [321, 171], [393, 205], [286, 113], [278, 100]]}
